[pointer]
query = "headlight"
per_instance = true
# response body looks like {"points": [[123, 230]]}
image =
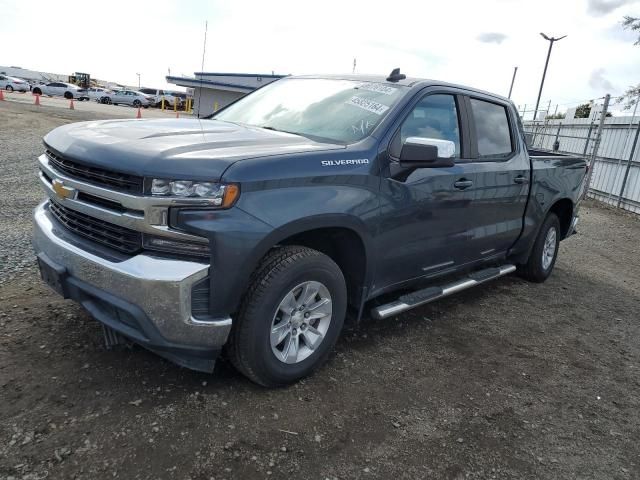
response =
{"points": [[221, 194]]}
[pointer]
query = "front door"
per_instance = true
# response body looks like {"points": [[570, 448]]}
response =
{"points": [[423, 228]]}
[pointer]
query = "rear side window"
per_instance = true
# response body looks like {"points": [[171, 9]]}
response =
{"points": [[492, 129]]}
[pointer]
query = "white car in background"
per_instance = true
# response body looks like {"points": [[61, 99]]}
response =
{"points": [[97, 93], [13, 84], [61, 89], [128, 97], [158, 95]]}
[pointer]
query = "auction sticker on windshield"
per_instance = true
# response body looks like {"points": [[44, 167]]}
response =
{"points": [[368, 105], [377, 87]]}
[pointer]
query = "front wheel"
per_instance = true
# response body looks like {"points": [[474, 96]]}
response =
{"points": [[137, 103], [544, 252], [68, 95], [9, 88], [290, 318]]}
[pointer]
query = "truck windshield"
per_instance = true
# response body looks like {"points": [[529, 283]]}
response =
{"points": [[343, 111]]}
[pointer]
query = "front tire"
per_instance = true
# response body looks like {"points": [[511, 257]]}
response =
{"points": [[544, 253], [137, 103], [68, 95], [9, 88], [290, 318]]}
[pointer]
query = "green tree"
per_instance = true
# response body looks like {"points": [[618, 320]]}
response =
{"points": [[630, 96], [583, 111], [633, 24]]}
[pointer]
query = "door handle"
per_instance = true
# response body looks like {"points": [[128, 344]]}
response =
{"points": [[463, 183], [520, 179]]}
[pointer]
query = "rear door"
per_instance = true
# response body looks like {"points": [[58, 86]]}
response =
{"points": [[497, 176]]}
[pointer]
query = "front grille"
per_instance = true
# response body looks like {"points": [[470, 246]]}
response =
{"points": [[119, 238], [106, 178]]}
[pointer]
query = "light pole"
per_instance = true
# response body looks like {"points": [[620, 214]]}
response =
{"points": [[513, 79], [544, 74], [138, 80]]}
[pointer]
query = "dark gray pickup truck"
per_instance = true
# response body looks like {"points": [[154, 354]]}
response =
{"points": [[258, 230]]}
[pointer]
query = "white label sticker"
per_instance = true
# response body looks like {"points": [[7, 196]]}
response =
{"points": [[368, 105], [377, 87]]}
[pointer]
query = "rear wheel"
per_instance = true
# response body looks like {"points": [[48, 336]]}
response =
{"points": [[137, 103], [37, 91], [290, 318], [9, 88], [545, 251]]}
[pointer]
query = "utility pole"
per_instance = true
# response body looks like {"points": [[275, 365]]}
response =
{"points": [[138, 80], [544, 74], [354, 66], [513, 79]]}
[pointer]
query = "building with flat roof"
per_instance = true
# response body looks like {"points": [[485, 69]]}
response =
{"points": [[213, 90]]}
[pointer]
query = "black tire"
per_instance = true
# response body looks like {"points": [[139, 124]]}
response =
{"points": [[37, 91], [137, 103], [249, 347], [68, 95], [9, 88], [535, 270]]}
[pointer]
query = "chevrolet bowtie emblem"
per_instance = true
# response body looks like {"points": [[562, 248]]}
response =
{"points": [[61, 190]]}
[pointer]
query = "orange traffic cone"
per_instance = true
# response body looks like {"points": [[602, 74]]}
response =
{"points": [[1, 95], [37, 102], [139, 115], [71, 104]]}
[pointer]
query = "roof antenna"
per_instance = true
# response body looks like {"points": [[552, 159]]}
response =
{"points": [[396, 75]]}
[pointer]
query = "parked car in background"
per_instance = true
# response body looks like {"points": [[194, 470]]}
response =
{"points": [[182, 98], [97, 93], [61, 89], [128, 97], [158, 95], [13, 83]]}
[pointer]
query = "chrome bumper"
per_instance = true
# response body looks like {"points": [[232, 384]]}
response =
{"points": [[160, 287]]}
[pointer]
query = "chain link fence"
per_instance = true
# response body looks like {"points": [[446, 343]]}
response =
{"points": [[611, 146]]}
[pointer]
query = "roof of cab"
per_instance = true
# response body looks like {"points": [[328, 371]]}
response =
{"points": [[407, 82]]}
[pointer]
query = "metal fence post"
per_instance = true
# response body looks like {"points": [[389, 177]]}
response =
{"points": [[596, 144], [586, 143], [556, 143], [626, 171]]}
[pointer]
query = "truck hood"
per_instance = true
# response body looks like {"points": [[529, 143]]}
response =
{"points": [[166, 148]]}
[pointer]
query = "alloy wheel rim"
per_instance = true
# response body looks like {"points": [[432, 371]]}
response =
{"points": [[549, 248], [300, 322]]}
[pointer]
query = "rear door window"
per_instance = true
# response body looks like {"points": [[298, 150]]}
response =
{"points": [[492, 129]]}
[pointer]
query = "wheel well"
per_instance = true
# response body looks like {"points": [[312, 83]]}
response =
{"points": [[345, 247], [564, 210]]}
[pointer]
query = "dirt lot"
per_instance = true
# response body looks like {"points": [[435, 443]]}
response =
{"points": [[510, 380]]}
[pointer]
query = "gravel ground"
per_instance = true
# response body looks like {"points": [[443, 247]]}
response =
{"points": [[510, 380]]}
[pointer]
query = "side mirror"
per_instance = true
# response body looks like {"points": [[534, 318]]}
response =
{"points": [[420, 152]]}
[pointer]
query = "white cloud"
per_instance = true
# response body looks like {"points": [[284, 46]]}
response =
{"points": [[603, 7], [492, 37], [598, 81]]}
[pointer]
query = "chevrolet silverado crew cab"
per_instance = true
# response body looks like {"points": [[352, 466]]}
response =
{"points": [[257, 230]]}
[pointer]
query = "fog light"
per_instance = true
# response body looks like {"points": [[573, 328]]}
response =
{"points": [[175, 246]]}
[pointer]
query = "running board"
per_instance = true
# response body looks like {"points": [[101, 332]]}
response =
{"points": [[420, 297]]}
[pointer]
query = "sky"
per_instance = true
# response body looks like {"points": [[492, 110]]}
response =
{"points": [[475, 43]]}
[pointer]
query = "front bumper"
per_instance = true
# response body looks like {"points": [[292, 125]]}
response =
{"points": [[145, 298]]}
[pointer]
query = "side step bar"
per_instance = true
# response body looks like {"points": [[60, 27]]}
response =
{"points": [[420, 297]]}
